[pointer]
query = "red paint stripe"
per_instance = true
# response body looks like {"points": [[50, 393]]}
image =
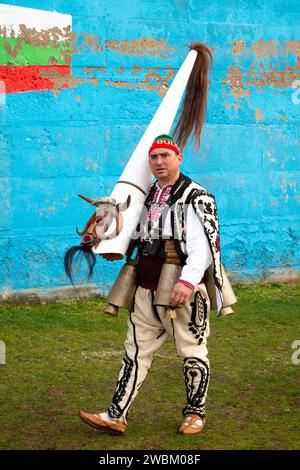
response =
{"points": [[29, 78]]}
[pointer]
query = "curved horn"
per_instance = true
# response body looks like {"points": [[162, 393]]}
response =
{"points": [[102, 236], [114, 213], [86, 227], [88, 199], [97, 202], [119, 226], [119, 223], [122, 206]]}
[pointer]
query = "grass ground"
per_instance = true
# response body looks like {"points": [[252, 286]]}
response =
{"points": [[65, 357]]}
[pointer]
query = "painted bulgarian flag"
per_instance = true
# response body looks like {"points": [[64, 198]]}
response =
{"points": [[35, 48]]}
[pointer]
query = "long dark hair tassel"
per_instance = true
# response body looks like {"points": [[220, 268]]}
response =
{"points": [[89, 255], [195, 100]]}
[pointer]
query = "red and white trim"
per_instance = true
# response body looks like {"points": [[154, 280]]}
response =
{"points": [[186, 283]]}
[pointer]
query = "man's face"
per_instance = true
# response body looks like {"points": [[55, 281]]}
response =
{"points": [[164, 163]]}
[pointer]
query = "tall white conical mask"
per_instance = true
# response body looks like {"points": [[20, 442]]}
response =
{"points": [[136, 178]]}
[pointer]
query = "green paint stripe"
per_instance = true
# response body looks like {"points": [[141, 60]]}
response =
{"points": [[56, 52]]}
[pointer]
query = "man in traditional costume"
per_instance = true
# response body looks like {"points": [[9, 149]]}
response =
{"points": [[179, 227]]}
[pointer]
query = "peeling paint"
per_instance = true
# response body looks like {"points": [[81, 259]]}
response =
{"points": [[53, 208], [263, 48], [258, 115], [153, 80], [90, 70], [37, 38], [294, 47], [234, 80], [120, 84], [142, 46], [31, 41], [258, 74], [91, 165], [238, 46], [92, 42], [54, 38], [136, 69], [161, 85], [61, 81], [13, 52], [53, 61], [273, 78], [283, 118]]}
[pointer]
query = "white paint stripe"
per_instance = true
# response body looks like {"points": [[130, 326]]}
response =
{"points": [[11, 17]]}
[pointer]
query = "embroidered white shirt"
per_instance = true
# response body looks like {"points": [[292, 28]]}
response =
{"points": [[198, 250]]}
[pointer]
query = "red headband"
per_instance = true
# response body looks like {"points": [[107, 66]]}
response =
{"points": [[165, 144]]}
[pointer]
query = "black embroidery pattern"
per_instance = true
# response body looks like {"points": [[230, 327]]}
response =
{"points": [[196, 375], [187, 191], [176, 192], [198, 322], [114, 410], [205, 207]]}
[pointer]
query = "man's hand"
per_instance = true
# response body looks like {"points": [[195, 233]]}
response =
{"points": [[180, 295]]}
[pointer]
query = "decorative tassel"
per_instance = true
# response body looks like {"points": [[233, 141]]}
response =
{"points": [[195, 100], [86, 250]]}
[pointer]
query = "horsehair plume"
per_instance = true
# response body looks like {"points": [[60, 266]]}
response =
{"points": [[195, 100], [89, 255]]}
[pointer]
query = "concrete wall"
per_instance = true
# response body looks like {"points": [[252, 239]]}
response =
{"points": [[69, 124]]}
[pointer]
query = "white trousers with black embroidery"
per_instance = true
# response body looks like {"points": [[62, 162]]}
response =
{"points": [[148, 329]]}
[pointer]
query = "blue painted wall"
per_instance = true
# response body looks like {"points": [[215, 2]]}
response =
{"points": [[56, 144]]}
